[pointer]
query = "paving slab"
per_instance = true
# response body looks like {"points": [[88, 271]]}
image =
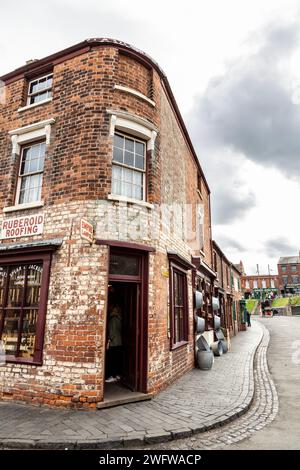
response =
{"points": [[198, 401]]}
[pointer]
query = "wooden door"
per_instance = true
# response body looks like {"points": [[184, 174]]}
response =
{"points": [[131, 336]]}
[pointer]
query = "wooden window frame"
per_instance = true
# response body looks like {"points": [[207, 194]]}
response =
{"points": [[37, 79], [132, 168], [45, 259], [20, 177], [175, 268]]}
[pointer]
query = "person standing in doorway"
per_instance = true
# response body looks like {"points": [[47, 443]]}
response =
{"points": [[248, 317], [114, 345]]}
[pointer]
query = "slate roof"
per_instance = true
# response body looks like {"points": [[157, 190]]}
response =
{"points": [[289, 260]]}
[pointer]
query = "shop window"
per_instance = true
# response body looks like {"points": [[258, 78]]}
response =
{"points": [[40, 89], [129, 167], [179, 307], [23, 298]]}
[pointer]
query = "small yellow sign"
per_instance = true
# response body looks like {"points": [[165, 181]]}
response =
{"points": [[164, 272]]}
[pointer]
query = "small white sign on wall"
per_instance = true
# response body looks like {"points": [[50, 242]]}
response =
{"points": [[86, 231]]}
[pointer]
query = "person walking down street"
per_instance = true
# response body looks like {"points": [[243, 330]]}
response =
{"points": [[248, 317], [114, 345]]}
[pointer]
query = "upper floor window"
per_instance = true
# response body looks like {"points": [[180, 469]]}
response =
{"points": [[247, 284], [31, 173], [255, 284], [294, 268], [40, 89], [283, 269], [272, 283], [129, 167], [264, 284]]}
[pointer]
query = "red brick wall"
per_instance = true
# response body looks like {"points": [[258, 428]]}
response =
{"points": [[77, 177]]}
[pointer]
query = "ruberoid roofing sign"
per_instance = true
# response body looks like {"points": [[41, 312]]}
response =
{"points": [[22, 227]]}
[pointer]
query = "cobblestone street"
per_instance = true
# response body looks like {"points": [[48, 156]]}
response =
{"points": [[262, 412], [195, 403], [272, 422]]}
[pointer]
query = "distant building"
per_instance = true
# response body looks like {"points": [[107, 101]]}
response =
{"points": [[227, 290], [259, 286], [289, 274]]}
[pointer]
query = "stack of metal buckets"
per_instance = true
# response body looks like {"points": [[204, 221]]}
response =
{"points": [[205, 353]]}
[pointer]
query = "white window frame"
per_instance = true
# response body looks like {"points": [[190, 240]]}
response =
{"points": [[138, 170], [20, 177], [26, 135], [255, 284], [29, 95], [137, 128]]}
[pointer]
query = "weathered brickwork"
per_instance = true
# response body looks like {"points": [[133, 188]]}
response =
{"points": [[77, 183]]}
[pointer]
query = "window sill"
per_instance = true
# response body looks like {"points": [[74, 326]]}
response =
{"points": [[34, 105], [179, 345], [21, 361], [114, 197], [23, 207]]}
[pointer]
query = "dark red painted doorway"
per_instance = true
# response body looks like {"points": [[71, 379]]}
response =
{"points": [[128, 286]]}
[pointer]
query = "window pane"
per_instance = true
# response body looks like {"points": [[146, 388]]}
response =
{"points": [[34, 278], [129, 158], [139, 162], [27, 344], [127, 190], [16, 286], [3, 277], [10, 331], [129, 145], [137, 192], [118, 155], [119, 141], [139, 148], [124, 265], [128, 175]]}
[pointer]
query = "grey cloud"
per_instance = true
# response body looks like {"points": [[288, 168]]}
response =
{"points": [[231, 244], [229, 205], [250, 108], [280, 246]]}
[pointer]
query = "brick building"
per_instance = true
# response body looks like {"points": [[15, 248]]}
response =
{"points": [[228, 290], [289, 274], [259, 286], [91, 137]]}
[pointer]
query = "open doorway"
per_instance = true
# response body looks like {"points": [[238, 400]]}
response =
{"points": [[126, 358], [121, 364]]}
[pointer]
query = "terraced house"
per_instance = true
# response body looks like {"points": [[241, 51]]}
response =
{"points": [[103, 206]]}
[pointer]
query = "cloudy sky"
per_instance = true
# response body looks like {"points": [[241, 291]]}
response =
{"points": [[234, 68]]}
